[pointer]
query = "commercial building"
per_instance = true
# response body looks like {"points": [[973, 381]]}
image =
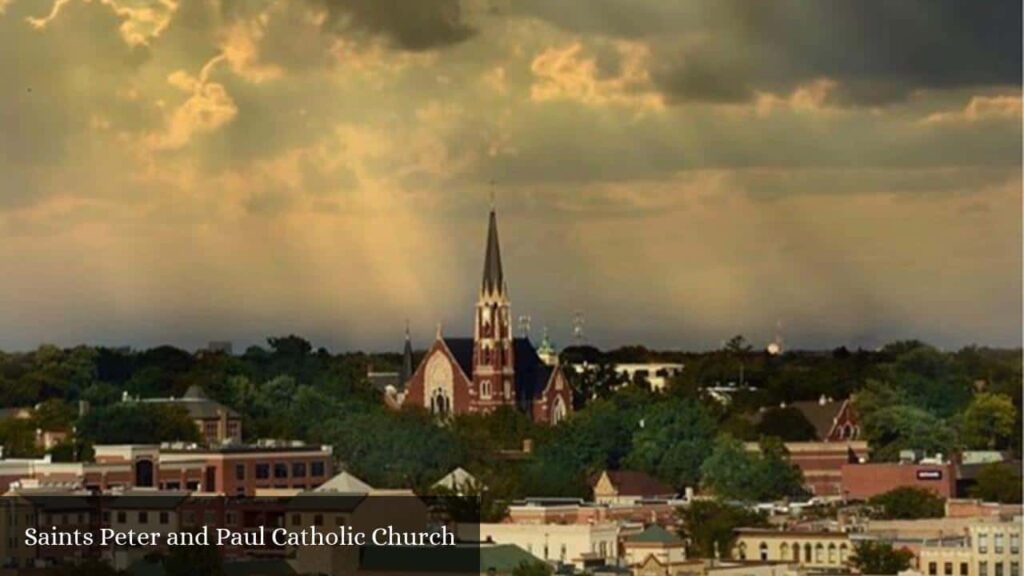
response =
{"points": [[817, 550], [228, 469]]}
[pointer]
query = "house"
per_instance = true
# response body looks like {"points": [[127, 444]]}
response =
{"points": [[459, 481], [654, 542], [218, 424], [627, 487], [345, 483]]}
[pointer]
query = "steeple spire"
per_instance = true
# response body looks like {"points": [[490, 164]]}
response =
{"points": [[494, 277], [407, 368]]}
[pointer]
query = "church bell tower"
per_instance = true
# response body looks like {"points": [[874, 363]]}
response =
{"points": [[493, 360]]}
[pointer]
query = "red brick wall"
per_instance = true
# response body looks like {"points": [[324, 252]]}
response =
{"points": [[862, 481]]}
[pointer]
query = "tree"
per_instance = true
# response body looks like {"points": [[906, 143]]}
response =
{"points": [[989, 421], [535, 568], [873, 557], [673, 439], [908, 503], [788, 424], [734, 473], [138, 423], [997, 483], [902, 427], [709, 527]]}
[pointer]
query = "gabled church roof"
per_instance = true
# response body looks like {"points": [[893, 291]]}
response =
{"points": [[531, 374], [494, 276]]}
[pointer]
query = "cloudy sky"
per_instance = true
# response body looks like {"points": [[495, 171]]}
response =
{"points": [[179, 171]]}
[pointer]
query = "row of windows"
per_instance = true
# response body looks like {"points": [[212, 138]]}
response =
{"points": [[998, 542], [819, 553], [280, 469], [999, 568], [947, 569]]}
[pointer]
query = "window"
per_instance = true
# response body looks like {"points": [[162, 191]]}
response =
{"points": [[296, 520], [933, 569], [1014, 543], [819, 553], [982, 568], [983, 543], [947, 569], [262, 471], [1014, 568], [280, 470], [239, 471], [174, 486], [508, 388], [831, 553], [122, 517], [299, 470], [999, 568], [317, 468], [763, 551], [963, 569], [143, 517], [318, 520], [192, 485], [997, 541], [562, 553], [165, 517]]}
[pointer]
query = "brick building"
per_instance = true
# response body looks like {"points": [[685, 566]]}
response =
{"points": [[491, 369], [229, 470], [862, 481]]}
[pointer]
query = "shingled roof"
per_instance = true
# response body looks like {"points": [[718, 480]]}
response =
{"points": [[821, 415], [531, 374], [634, 483]]}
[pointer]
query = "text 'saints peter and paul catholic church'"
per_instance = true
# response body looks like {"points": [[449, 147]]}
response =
{"points": [[491, 369]]}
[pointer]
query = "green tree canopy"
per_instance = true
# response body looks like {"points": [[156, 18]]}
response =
{"points": [[908, 503], [996, 482], [138, 423], [873, 557], [989, 422], [734, 473], [709, 527], [674, 438]]}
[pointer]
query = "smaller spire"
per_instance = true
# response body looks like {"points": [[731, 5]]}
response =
{"points": [[407, 368]]}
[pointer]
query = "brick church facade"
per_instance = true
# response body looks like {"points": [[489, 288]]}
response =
{"points": [[493, 368]]}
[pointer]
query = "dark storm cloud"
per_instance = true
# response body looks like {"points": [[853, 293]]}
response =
{"points": [[879, 52], [415, 26]]}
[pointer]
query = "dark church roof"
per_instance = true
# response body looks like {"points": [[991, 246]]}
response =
{"points": [[531, 373], [494, 277]]}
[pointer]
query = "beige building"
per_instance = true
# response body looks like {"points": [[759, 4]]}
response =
{"points": [[825, 550], [996, 547], [576, 544], [654, 542], [987, 547]]}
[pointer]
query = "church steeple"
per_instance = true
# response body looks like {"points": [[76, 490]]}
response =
{"points": [[407, 368], [494, 276], [493, 354]]}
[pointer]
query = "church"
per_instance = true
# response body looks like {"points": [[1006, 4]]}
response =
{"points": [[491, 369]]}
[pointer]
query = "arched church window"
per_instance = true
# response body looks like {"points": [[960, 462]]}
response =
{"points": [[485, 389]]}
